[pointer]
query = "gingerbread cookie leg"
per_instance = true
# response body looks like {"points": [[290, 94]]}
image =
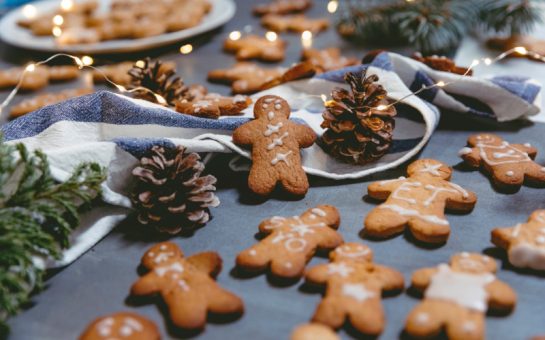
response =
{"points": [[329, 312], [369, 318], [186, 310], [262, 184], [296, 182], [384, 223], [430, 232]]}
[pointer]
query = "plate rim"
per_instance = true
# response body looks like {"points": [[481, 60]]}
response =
{"points": [[9, 23]]}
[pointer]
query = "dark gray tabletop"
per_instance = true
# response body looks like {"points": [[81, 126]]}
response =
{"points": [[98, 283]]}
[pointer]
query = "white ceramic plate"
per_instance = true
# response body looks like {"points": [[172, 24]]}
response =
{"points": [[222, 11]]}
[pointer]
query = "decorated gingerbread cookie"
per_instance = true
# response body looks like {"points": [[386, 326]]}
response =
{"points": [[456, 298], [276, 142], [442, 63], [354, 288], [186, 285], [213, 105], [294, 23], [256, 47], [509, 165], [328, 59], [32, 81], [525, 242], [33, 104], [122, 325], [418, 202], [283, 7], [292, 241], [313, 331], [245, 77]]}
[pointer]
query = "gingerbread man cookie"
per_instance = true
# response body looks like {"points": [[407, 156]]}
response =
{"points": [[213, 105], [245, 77], [442, 63], [525, 242], [276, 142], [418, 202], [509, 165], [122, 325], [328, 59], [456, 298], [292, 241], [294, 23], [354, 289], [313, 331], [32, 81], [283, 7], [186, 285], [256, 47]]}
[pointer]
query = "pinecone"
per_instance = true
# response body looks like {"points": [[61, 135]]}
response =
{"points": [[171, 194], [158, 78], [356, 130]]}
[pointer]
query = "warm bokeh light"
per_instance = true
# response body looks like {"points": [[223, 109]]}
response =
{"points": [[87, 61], [140, 64], [271, 36], [58, 20], [67, 5], [30, 68], [29, 11], [186, 49], [521, 50], [235, 35], [306, 39], [57, 31], [332, 6]]}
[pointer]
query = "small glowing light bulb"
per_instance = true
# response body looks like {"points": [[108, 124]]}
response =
{"points": [[29, 11], [235, 35], [487, 61], [87, 61], [521, 50], [67, 5], [140, 64], [30, 68], [332, 6], [57, 31], [475, 63], [306, 39], [186, 49], [58, 20], [121, 88], [324, 97], [382, 107], [271, 36], [441, 83]]}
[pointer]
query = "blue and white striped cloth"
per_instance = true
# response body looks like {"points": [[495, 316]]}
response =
{"points": [[115, 131]]}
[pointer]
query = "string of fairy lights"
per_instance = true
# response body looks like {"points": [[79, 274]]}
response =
{"points": [[29, 11]]}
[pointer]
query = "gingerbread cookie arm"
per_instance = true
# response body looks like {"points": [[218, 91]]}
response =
{"points": [[390, 280], [318, 275], [501, 297], [382, 189], [246, 134], [502, 237], [146, 285], [305, 135], [530, 150], [460, 199], [421, 278], [330, 239], [471, 156], [207, 262]]}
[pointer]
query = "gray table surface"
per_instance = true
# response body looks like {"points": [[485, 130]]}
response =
{"points": [[98, 283]]}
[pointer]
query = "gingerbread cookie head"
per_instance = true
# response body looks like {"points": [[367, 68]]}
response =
{"points": [[429, 167], [485, 139], [352, 251], [161, 254], [472, 263], [271, 106], [525, 242], [313, 331], [122, 325]]}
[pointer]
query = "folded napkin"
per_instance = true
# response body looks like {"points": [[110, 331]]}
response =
{"points": [[115, 131]]}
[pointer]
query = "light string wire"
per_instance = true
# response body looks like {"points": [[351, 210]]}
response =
{"points": [[81, 65], [520, 50]]}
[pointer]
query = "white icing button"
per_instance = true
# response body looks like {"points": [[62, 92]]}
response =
{"points": [[252, 252], [422, 318], [277, 106], [163, 247], [528, 145], [509, 173], [264, 106], [288, 265], [151, 254]]}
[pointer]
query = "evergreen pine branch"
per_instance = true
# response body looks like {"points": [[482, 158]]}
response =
{"points": [[37, 215], [435, 26]]}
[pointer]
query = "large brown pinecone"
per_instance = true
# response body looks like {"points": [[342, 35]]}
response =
{"points": [[356, 131], [158, 78], [171, 195]]}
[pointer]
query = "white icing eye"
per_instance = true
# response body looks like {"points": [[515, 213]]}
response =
{"points": [[252, 252], [509, 173]]}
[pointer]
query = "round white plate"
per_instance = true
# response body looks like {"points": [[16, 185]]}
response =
{"points": [[222, 11]]}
